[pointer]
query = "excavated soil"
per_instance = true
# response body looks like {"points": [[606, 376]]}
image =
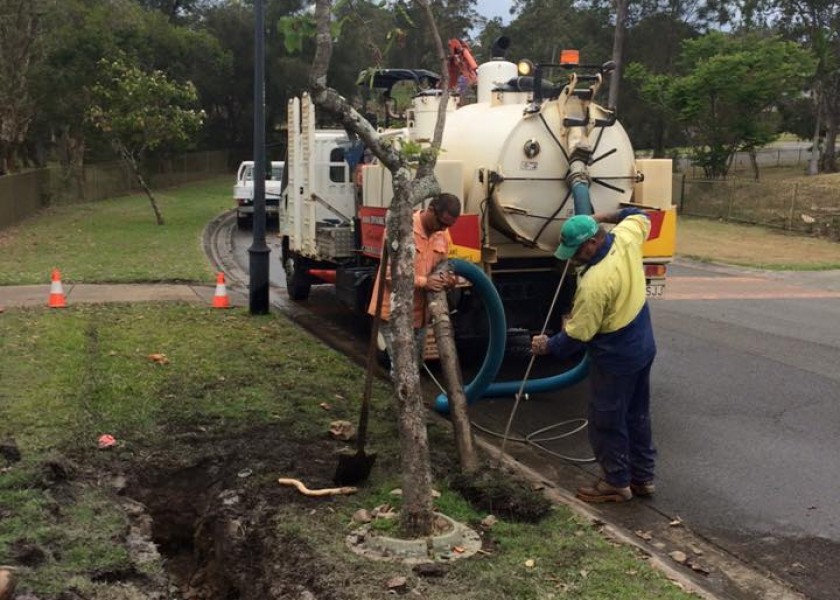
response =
{"points": [[214, 510], [207, 506]]}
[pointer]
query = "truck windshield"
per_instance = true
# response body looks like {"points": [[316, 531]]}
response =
{"points": [[276, 173]]}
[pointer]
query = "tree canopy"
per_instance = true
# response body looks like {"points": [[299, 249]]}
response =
{"points": [[727, 93], [49, 50], [139, 111]]}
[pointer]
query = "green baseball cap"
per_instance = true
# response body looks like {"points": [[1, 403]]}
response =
{"points": [[575, 231]]}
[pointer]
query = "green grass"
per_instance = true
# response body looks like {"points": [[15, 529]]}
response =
{"points": [[117, 240], [72, 375], [753, 246], [69, 376]]}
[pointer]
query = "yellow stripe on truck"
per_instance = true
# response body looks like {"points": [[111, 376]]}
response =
{"points": [[472, 255], [665, 244]]}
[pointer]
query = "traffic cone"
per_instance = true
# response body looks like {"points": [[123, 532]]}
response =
{"points": [[57, 299], [220, 299]]}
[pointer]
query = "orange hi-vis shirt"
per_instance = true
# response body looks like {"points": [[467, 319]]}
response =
{"points": [[430, 251]]}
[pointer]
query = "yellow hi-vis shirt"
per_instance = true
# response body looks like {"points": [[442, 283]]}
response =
{"points": [[611, 293]]}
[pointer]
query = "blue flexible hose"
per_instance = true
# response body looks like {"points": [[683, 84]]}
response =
{"points": [[482, 384], [496, 346], [580, 194]]}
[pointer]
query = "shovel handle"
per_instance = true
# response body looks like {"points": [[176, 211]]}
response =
{"points": [[364, 415]]}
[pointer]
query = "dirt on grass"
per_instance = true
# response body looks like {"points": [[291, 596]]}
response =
{"points": [[208, 507]]}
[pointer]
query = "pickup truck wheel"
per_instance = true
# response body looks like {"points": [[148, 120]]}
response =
{"points": [[297, 282]]}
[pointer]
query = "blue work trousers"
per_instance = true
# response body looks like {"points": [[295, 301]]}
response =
{"points": [[619, 425]]}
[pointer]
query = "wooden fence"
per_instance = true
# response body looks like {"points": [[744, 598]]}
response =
{"points": [[812, 209], [23, 194]]}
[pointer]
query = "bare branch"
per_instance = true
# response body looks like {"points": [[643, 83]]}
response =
{"points": [[427, 167], [323, 47]]}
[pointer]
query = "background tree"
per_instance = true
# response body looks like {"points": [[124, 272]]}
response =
{"points": [[726, 95], [544, 27], [814, 25], [139, 111], [20, 49]]}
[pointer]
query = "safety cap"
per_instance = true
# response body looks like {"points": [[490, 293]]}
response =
{"points": [[575, 231]]}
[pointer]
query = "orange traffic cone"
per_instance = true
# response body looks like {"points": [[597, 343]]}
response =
{"points": [[56, 291], [220, 299]]}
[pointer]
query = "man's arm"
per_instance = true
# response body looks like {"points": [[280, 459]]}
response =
{"points": [[618, 216]]}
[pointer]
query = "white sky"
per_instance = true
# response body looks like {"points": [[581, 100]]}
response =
{"points": [[494, 8]]}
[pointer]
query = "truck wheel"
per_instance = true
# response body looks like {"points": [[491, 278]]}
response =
{"points": [[243, 222], [297, 282], [518, 343]]}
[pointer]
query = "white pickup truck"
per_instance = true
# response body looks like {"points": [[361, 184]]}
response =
{"points": [[243, 192]]}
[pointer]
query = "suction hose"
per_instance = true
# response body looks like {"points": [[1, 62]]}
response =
{"points": [[580, 195], [482, 384], [578, 179]]}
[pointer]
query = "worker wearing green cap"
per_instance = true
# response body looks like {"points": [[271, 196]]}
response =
{"points": [[611, 320]]}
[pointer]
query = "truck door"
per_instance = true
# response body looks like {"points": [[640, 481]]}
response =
{"points": [[337, 187]]}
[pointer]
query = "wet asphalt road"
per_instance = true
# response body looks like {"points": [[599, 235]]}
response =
{"points": [[746, 408]]}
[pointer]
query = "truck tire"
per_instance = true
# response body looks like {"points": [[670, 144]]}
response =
{"points": [[243, 222], [518, 344], [297, 281]]}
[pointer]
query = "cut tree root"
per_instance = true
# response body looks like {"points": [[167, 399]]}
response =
{"points": [[322, 492]]}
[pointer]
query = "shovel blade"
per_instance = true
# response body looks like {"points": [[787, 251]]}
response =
{"points": [[353, 468]]}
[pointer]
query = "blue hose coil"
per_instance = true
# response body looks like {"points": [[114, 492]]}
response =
{"points": [[498, 333], [482, 384]]}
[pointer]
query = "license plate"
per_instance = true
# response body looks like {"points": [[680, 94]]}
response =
{"points": [[655, 290]]}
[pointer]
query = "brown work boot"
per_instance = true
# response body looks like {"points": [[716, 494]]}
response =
{"points": [[601, 491], [646, 488]]}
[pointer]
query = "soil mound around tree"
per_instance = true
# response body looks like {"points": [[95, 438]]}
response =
{"points": [[502, 496]]}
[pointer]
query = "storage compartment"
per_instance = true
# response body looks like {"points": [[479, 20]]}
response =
{"points": [[353, 287], [655, 190], [334, 241]]}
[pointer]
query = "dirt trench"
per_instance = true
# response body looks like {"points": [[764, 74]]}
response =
{"points": [[214, 513]]}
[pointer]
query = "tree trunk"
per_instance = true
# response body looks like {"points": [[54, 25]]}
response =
{"points": [[416, 515], [828, 161], [814, 161], [71, 153], [135, 168], [445, 337], [618, 51], [754, 163]]}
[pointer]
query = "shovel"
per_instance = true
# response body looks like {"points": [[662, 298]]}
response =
{"points": [[355, 467]]}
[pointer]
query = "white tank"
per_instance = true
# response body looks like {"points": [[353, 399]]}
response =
{"points": [[422, 116], [530, 153], [491, 74]]}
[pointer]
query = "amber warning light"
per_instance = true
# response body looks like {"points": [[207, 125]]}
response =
{"points": [[569, 57]]}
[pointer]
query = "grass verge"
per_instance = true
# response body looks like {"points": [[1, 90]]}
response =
{"points": [[116, 240], [753, 246], [238, 402]]}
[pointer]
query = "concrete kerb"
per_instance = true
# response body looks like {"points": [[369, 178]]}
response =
{"points": [[739, 580], [218, 234], [581, 509]]}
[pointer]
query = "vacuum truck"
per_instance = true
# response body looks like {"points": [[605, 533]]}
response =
{"points": [[531, 151]]}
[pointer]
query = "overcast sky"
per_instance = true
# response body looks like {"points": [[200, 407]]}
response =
{"points": [[494, 8]]}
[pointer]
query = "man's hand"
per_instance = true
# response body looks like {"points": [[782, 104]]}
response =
{"points": [[539, 345], [442, 280], [437, 282]]}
